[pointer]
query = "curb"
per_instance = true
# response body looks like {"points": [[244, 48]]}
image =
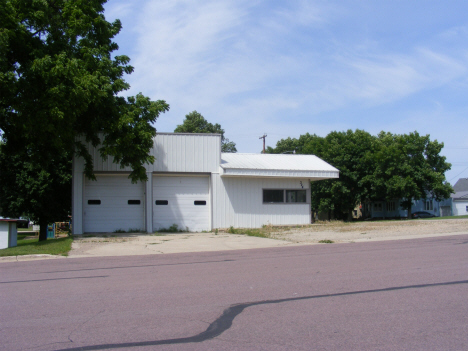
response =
{"points": [[29, 257]]}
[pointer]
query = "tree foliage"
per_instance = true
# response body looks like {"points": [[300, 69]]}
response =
{"points": [[43, 192], [408, 167], [194, 122], [350, 152], [59, 80], [371, 167]]}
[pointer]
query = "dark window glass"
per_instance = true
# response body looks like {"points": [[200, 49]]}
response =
{"points": [[133, 202], [296, 196], [199, 203], [273, 196], [94, 202], [162, 202]]}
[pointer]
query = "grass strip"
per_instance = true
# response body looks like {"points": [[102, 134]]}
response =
{"points": [[59, 246]]}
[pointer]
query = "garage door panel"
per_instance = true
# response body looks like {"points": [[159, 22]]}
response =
{"points": [[113, 212], [181, 194]]}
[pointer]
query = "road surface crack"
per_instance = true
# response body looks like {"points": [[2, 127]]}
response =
{"points": [[82, 324], [225, 320]]}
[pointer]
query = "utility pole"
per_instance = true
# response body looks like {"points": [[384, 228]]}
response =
{"points": [[263, 137]]}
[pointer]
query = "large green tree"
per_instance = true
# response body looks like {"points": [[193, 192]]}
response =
{"points": [[350, 152], [194, 122], [59, 80], [409, 167]]}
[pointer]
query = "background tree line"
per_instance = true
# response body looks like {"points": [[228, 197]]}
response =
{"points": [[383, 167]]}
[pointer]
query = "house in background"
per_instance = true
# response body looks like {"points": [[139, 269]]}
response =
{"points": [[393, 209], [381, 209], [456, 205], [196, 187], [459, 200]]}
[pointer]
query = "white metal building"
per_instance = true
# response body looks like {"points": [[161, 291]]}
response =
{"points": [[193, 185]]}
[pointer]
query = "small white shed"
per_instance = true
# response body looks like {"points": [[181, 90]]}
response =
{"points": [[8, 233], [196, 187]]}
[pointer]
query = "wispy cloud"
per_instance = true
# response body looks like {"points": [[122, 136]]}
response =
{"points": [[292, 67]]}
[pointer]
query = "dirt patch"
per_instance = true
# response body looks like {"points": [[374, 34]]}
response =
{"points": [[340, 232]]}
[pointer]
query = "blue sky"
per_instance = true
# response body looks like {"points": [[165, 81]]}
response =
{"points": [[285, 68]]}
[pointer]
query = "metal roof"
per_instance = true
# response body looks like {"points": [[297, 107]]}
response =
{"points": [[276, 165], [461, 185], [460, 195]]}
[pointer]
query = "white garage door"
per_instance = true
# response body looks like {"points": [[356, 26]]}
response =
{"points": [[113, 203], [183, 201]]}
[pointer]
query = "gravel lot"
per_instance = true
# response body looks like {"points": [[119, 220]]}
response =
{"points": [[340, 232]]}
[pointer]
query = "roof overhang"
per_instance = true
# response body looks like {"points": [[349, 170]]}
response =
{"points": [[276, 166], [460, 196]]}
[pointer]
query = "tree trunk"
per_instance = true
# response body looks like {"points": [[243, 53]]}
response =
{"points": [[409, 210], [43, 230]]}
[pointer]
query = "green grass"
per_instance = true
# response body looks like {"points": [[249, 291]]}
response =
{"points": [[172, 229], [326, 241], [21, 236], [135, 230], [447, 217], [263, 232], [33, 247]]}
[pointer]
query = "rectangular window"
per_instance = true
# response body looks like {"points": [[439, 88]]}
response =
{"points": [[162, 202], [466, 208], [391, 206], [296, 196], [273, 196], [428, 206], [133, 202], [94, 202], [199, 203], [378, 206]]}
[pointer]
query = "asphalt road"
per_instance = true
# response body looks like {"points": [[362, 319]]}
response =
{"points": [[393, 295]]}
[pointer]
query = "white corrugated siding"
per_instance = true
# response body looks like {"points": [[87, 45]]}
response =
{"points": [[108, 165], [114, 212], [238, 202], [173, 153], [186, 153]]}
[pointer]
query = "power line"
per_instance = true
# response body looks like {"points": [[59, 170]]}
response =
{"points": [[458, 174]]}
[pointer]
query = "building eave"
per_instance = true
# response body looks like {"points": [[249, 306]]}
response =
{"points": [[314, 175]]}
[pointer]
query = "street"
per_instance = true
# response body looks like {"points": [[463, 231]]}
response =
{"points": [[388, 295]]}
